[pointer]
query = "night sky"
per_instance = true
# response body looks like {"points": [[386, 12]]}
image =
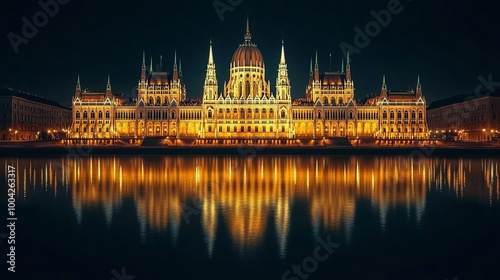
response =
{"points": [[448, 43]]}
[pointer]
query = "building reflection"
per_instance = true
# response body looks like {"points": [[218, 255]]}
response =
{"points": [[253, 195]]}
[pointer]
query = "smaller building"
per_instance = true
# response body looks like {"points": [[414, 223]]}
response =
{"points": [[466, 117], [29, 117]]}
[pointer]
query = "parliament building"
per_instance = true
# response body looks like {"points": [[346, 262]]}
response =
{"points": [[246, 109]]}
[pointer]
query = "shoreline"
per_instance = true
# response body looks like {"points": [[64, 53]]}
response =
{"points": [[76, 151]]}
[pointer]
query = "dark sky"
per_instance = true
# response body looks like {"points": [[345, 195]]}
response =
{"points": [[449, 43]]}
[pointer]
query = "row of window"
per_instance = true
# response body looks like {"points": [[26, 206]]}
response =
{"points": [[248, 115], [248, 129], [399, 114], [84, 129]]}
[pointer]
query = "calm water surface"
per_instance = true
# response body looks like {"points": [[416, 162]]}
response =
{"points": [[256, 218]]}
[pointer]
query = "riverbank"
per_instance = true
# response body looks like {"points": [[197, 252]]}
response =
{"points": [[81, 151]]}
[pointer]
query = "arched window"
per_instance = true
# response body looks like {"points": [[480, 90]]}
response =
{"points": [[384, 115], [242, 129], [85, 115], [140, 115], [92, 114], [150, 100], [173, 114], [271, 113], [107, 114], [341, 101], [420, 114], [283, 114], [325, 100], [77, 114], [399, 114], [158, 101], [406, 114], [227, 128], [392, 115], [319, 115], [263, 129], [283, 129], [351, 115], [209, 113], [332, 101], [209, 129], [166, 100], [100, 114], [249, 129], [256, 129], [271, 129], [413, 114]]}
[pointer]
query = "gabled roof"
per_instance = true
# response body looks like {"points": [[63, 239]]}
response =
{"points": [[6, 92], [461, 98]]}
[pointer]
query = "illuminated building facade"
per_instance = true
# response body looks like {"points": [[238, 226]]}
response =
{"points": [[246, 109], [29, 117], [467, 117]]}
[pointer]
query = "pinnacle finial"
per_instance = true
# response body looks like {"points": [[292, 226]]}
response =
{"points": [[311, 67], [418, 79], [151, 65], [180, 67], [78, 87], [175, 59], [108, 86], [316, 60]]}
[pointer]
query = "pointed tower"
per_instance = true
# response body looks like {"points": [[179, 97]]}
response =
{"points": [[316, 68], [78, 90], [348, 67], [210, 87], [419, 87], [109, 93], [143, 67], [151, 66], [282, 80], [342, 68], [383, 92], [180, 68], [175, 75]]}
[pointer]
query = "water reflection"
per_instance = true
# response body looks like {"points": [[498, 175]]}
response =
{"points": [[251, 195]]}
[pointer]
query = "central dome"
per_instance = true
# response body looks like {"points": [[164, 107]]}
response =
{"points": [[247, 54]]}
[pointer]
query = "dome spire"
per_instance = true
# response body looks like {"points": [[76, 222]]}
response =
{"points": [[248, 35]]}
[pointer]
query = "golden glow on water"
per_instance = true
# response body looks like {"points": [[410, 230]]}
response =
{"points": [[249, 194]]}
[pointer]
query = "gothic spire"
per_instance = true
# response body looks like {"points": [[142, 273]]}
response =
{"points": [[176, 72], [316, 67], [210, 55], [282, 60]]}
